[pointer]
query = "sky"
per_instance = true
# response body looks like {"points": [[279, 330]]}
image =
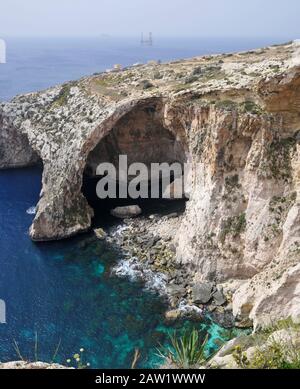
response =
{"points": [[170, 18]]}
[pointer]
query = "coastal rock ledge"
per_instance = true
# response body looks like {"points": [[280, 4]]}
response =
{"points": [[31, 365], [234, 117]]}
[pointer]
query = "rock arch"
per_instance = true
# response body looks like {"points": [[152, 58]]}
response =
{"points": [[63, 211]]}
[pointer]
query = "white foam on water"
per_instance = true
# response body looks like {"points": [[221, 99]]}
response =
{"points": [[132, 269], [117, 232], [31, 210], [189, 308]]}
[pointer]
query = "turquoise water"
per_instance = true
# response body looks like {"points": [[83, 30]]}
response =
{"points": [[65, 292]]}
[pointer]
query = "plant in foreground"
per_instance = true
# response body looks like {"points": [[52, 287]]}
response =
{"points": [[187, 351], [136, 357], [36, 349], [276, 355], [78, 359]]}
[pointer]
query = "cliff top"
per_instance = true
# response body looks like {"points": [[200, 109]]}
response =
{"points": [[222, 77], [200, 75]]}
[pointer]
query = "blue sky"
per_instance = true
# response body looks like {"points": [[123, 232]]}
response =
{"points": [[213, 18]]}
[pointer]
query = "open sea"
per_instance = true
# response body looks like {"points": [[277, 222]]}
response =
{"points": [[63, 296]]}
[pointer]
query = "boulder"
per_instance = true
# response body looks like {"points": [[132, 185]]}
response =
{"points": [[173, 314], [202, 292], [219, 298], [176, 290], [223, 317], [100, 233], [126, 212]]}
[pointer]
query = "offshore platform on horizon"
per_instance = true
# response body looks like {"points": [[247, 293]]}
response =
{"points": [[147, 41]]}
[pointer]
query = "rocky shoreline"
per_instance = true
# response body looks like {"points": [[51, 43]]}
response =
{"points": [[234, 118], [149, 251], [32, 365]]}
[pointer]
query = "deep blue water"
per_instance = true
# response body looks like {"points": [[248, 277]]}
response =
{"points": [[64, 291]]}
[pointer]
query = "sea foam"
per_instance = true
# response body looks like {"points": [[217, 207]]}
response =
{"points": [[31, 210]]}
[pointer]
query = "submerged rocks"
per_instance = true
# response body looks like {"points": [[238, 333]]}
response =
{"points": [[126, 212]]}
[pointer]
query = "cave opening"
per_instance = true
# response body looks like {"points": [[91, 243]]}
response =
{"points": [[142, 137]]}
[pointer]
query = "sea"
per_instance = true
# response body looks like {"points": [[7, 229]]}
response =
{"points": [[64, 298]]}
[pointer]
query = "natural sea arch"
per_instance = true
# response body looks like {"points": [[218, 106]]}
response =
{"points": [[137, 128]]}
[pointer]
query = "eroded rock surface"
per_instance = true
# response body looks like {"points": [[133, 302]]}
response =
{"points": [[31, 365], [234, 117]]}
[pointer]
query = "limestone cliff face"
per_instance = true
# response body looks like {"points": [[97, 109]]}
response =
{"points": [[15, 150], [235, 118]]}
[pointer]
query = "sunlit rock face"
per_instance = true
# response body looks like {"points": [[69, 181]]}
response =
{"points": [[234, 118], [15, 150], [142, 137]]}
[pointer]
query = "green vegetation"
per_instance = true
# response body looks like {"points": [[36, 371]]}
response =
{"points": [[232, 182], [250, 107], [63, 96], [276, 355], [187, 351], [254, 75], [78, 360], [270, 353], [234, 225], [247, 106], [107, 86], [279, 158], [279, 204], [157, 75], [226, 105], [213, 72], [283, 324], [275, 68], [278, 208], [182, 87], [201, 75]]}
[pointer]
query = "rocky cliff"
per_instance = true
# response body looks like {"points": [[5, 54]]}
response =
{"points": [[234, 117]]}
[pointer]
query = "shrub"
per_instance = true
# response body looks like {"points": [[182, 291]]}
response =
{"points": [[226, 105], [277, 355], [234, 225], [251, 107], [187, 351]]}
